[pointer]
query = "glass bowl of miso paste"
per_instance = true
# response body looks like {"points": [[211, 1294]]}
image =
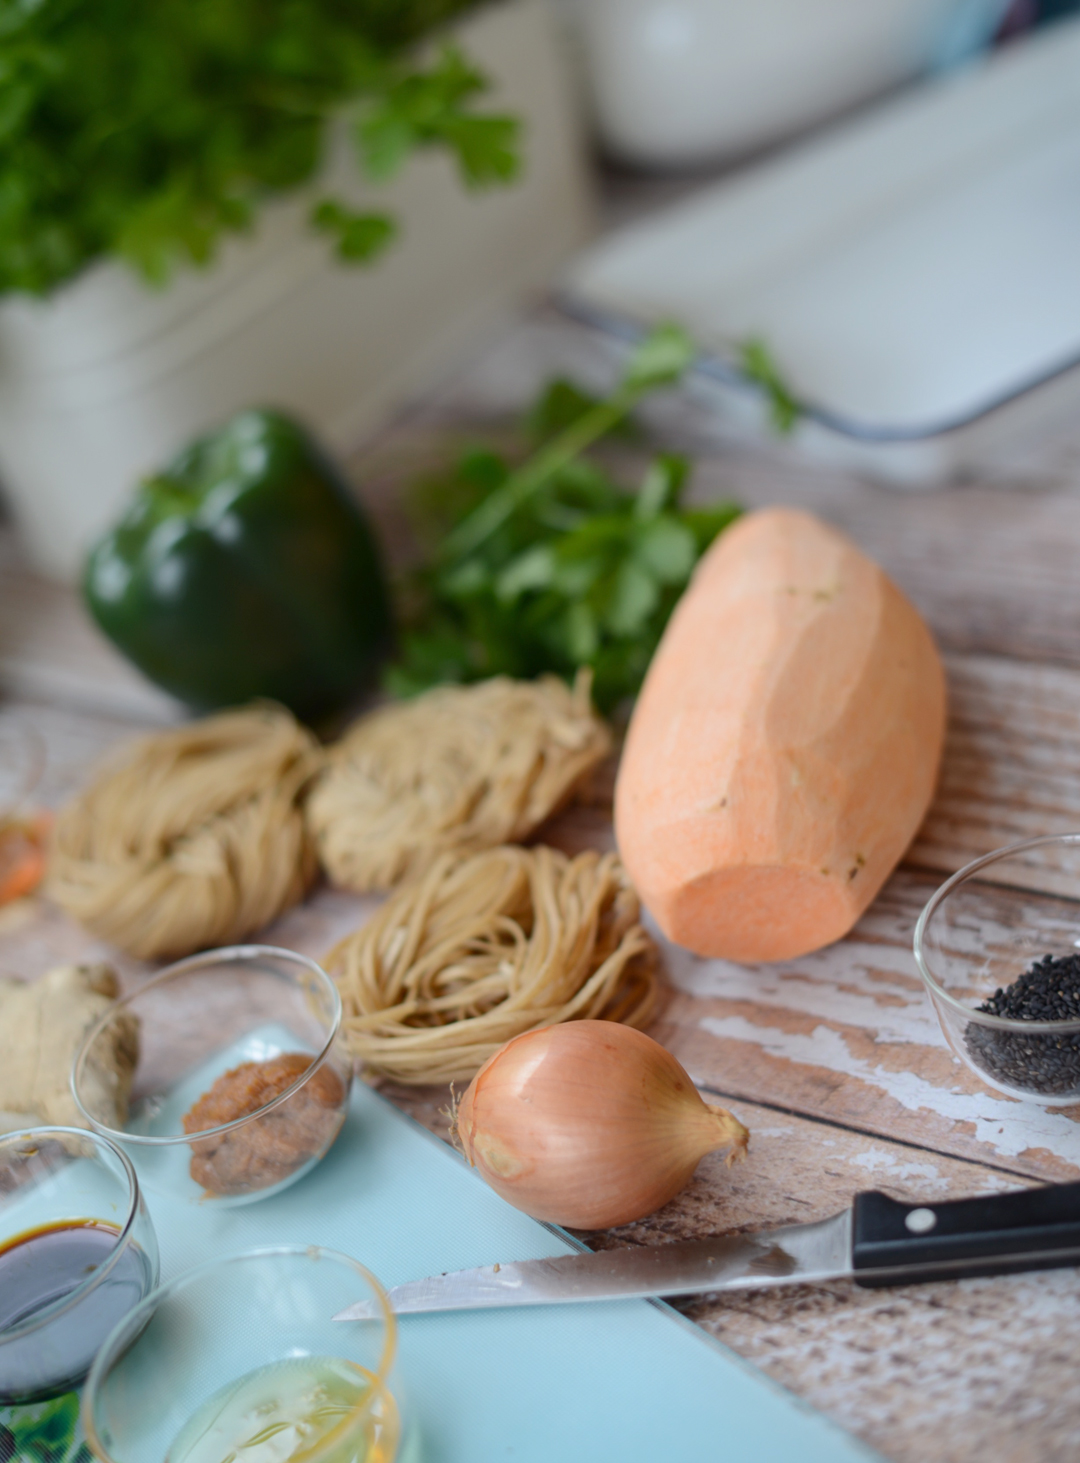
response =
{"points": [[241, 1082]]}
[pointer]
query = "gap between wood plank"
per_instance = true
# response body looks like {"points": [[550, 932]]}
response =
{"points": [[877, 1137]]}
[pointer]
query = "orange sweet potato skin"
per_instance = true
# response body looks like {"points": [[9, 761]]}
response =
{"points": [[785, 745]]}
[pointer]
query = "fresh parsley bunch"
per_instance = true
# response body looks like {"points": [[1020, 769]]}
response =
{"points": [[553, 565], [149, 128]]}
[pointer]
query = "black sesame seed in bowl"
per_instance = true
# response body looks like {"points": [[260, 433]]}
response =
{"points": [[1044, 1062], [998, 947]]}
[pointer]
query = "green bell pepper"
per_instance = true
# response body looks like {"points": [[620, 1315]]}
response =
{"points": [[245, 569]]}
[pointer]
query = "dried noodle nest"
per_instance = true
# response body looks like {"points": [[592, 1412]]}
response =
{"points": [[459, 769], [191, 838], [480, 949]]}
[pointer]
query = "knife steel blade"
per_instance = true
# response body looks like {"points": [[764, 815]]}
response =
{"points": [[878, 1241], [811, 1251]]}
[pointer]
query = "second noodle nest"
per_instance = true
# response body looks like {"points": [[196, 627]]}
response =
{"points": [[481, 949], [461, 768]]}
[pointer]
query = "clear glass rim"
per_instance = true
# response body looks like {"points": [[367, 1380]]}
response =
{"points": [[49, 1313], [36, 757], [938, 898], [236, 953], [127, 1330]]}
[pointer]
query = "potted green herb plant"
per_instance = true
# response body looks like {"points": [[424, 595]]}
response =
{"points": [[187, 187]]}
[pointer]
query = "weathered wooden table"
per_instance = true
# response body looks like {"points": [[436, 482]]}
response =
{"points": [[835, 1061]]}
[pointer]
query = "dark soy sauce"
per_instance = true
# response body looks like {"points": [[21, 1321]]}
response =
{"points": [[39, 1268]]}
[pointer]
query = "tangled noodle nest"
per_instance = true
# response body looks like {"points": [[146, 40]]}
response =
{"points": [[461, 768], [193, 837], [478, 950]]}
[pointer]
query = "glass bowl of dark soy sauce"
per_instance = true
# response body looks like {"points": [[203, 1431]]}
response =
{"points": [[998, 947], [77, 1253]]}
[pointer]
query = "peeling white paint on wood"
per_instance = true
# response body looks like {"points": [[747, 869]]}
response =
{"points": [[1007, 1127], [923, 1176], [849, 984]]}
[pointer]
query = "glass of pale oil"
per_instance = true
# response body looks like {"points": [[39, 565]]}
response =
{"points": [[239, 1361]]}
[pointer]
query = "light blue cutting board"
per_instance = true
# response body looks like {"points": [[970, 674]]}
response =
{"points": [[621, 1382]]}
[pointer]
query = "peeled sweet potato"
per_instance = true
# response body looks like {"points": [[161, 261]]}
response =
{"points": [[785, 745]]}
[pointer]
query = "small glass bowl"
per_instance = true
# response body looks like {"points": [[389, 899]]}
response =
{"points": [[200, 1339], [23, 833], [77, 1253], [985, 927], [273, 1014]]}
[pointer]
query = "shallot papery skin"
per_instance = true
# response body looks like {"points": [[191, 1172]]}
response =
{"points": [[588, 1124]]}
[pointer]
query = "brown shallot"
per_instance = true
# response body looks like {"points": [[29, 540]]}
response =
{"points": [[589, 1124]]}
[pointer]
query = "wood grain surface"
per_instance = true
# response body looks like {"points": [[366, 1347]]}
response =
{"points": [[835, 1061]]}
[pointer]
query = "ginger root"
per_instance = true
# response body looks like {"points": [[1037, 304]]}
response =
{"points": [[42, 1026]]}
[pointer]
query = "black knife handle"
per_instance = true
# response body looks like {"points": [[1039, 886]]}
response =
{"points": [[1033, 1229]]}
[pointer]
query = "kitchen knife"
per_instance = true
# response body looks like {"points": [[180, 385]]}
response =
{"points": [[878, 1241]]}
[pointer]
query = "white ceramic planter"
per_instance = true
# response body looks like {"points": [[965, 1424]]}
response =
{"points": [[103, 381], [681, 82]]}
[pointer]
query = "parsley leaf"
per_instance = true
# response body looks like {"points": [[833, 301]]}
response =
{"points": [[757, 364], [149, 131], [424, 109], [553, 565], [359, 236]]}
